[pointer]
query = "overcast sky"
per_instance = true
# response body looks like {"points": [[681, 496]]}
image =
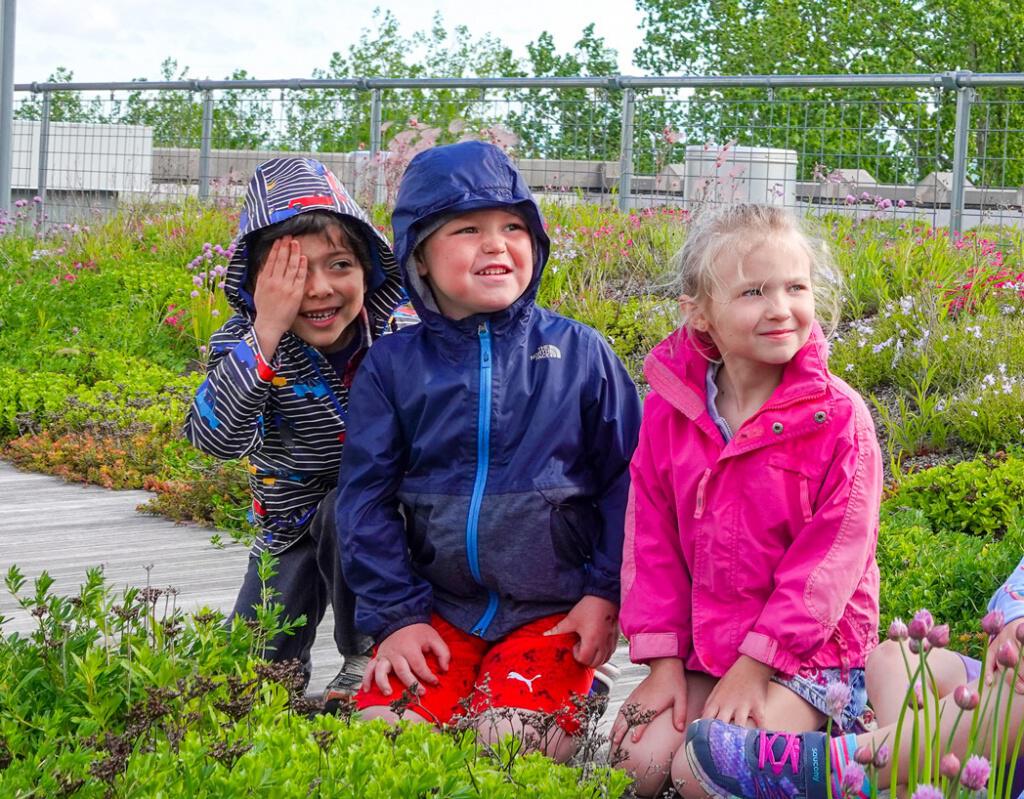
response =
{"points": [[117, 40]]}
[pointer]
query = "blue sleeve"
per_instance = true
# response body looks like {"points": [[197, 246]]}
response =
{"points": [[1009, 598], [226, 416], [613, 428], [371, 532]]}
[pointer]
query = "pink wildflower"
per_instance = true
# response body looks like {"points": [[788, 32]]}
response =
{"points": [[975, 773]]}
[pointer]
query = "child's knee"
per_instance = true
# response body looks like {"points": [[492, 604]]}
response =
{"points": [[884, 657], [496, 724], [385, 712], [649, 760]]}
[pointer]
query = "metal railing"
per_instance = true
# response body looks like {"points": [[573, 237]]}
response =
{"points": [[948, 147]]}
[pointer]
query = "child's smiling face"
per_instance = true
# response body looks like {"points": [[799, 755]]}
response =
{"points": [[333, 293], [762, 308], [477, 262]]}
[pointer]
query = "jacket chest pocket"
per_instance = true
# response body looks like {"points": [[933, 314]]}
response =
{"points": [[785, 500]]}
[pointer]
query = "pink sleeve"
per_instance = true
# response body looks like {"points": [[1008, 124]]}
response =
{"points": [[826, 561], [655, 613]]}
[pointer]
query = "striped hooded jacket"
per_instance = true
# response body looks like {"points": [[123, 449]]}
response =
{"points": [[289, 415], [486, 474]]}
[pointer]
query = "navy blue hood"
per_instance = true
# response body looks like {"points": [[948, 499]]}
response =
{"points": [[454, 179]]}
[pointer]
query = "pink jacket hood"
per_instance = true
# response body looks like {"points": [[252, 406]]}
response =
{"points": [[764, 545]]}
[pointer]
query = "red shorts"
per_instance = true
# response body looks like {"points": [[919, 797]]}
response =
{"points": [[525, 669]]}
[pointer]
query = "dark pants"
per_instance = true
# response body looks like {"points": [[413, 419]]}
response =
{"points": [[308, 577]]}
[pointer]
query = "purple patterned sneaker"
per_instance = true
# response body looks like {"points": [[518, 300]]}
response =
{"points": [[756, 764]]}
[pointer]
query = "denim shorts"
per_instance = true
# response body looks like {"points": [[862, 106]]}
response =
{"points": [[812, 684]]}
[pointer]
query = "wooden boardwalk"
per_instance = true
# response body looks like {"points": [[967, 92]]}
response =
{"points": [[65, 528]]}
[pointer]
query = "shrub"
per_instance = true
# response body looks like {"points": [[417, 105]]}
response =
{"points": [[125, 696], [983, 497]]}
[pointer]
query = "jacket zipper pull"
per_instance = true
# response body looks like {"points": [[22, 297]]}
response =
{"points": [[699, 510]]}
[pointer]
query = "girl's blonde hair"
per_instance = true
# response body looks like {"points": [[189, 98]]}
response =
{"points": [[732, 228]]}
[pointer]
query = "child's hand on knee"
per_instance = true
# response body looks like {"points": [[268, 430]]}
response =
{"points": [[740, 696], [664, 689], [404, 653], [1007, 640], [595, 622]]}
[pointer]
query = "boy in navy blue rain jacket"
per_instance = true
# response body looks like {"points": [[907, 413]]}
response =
{"points": [[482, 493], [312, 284]]}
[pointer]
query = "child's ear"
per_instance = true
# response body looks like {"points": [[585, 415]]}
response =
{"points": [[421, 268], [693, 313]]}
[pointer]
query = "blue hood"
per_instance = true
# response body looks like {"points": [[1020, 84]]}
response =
{"points": [[454, 179]]}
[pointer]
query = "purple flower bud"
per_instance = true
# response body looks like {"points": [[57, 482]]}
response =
{"points": [[966, 697], [837, 697], [920, 624], [882, 756], [853, 780], [864, 755], [917, 646], [901, 203], [992, 622], [1019, 633], [1006, 655], [975, 773], [850, 199], [949, 766], [938, 636], [898, 630], [926, 791], [194, 294]]}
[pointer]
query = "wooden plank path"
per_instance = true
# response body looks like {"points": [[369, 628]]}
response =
{"points": [[65, 528]]}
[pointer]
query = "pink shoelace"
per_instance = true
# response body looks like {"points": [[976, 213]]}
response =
{"points": [[766, 754]]}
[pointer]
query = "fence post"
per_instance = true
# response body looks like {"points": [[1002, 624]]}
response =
{"points": [[375, 116], [204, 145], [44, 156], [964, 99], [6, 102], [626, 150]]}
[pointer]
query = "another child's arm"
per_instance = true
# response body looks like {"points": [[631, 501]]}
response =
{"points": [[656, 585], [1008, 600], [611, 423], [826, 559], [393, 604]]}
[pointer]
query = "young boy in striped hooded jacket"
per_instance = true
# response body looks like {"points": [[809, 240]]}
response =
{"points": [[312, 284]]}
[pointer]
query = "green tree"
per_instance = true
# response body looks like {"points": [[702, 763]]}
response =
{"points": [[569, 123], [897, 134], [65, 106], [339, 119], [242, 118]]}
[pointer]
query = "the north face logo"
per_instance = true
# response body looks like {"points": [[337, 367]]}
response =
{"points": [[546, 351]]}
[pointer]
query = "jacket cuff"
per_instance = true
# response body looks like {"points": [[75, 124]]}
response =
{"points": [[398, 625], [648, 646], [767, 650], [604, 591]]}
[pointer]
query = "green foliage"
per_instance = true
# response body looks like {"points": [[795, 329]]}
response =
{"points": [[951, 573], [126, 696], [772, 37], [982, 497]]}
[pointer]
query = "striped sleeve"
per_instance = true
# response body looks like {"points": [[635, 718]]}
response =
{"points": [[226, 416]]}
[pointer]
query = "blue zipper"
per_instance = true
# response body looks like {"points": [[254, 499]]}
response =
{"points": [[326, 383], [483, 451]]}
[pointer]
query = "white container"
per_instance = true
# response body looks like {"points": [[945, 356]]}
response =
{"points": [[732, 174], [84, 157]]}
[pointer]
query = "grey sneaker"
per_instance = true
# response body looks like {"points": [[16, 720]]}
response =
{"points": [[605, 676], [344, 686]]}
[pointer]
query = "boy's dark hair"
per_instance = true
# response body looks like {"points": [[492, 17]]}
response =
{"points": [[324, 223]]}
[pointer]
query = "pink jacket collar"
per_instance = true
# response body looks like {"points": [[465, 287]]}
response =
{"points": [[677, 367]]}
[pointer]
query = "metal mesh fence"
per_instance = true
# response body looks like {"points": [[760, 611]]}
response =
{"points": [[946, 149]]}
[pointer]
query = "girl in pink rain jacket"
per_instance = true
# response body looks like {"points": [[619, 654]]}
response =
{"points": [[749, 579]]}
